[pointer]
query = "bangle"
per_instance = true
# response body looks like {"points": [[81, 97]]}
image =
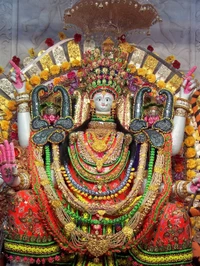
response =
{"points": [[24, 181], [181, 112], [183, 103], [181, 189], [23, 107], [22, 98]]}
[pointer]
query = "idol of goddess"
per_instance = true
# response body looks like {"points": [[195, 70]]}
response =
{"points": [[98, 192]]}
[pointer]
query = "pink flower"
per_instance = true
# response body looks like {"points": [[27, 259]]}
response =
{"points": [[57, 258], [77, 38], [71, 75], [16, 60], [49, 42], [38, 261]]}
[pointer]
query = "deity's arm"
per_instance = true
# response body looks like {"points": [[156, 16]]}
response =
{"points": [[182, 107], [22, 99]]}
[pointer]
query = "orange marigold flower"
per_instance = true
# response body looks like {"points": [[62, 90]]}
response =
{"points": [[54, 70], [14, 126], [191, 163], [190, 153], [179, 168], [142, 71], [44, 74], [189, 130], [28, 87], [190, 174], [62, 35], [11, 105], [151, 78], [132, 68], [161, 84], [189, 141], [170, 59], [56, 81], [1, 70], [65, 66], [76, 63], [8, 114], [35, 80]]}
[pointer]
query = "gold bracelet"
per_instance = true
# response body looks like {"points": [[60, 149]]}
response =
{"points": [[181, 112], [181, 189], [23, 108], [182, 103], [24, 181]]}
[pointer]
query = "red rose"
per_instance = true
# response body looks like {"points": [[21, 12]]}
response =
{"points": [[71, 75], [16, 60], [150, 48], [176, 64], [77, 38], [49, 42], [122, 38]]}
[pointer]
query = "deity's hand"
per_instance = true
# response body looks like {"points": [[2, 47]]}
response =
{"points": [[188, 85], [17, 78], [8, 167], [194, 186]]}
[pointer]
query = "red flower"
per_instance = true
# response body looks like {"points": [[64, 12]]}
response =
{"points": [[16, 60], [77, 38], [71, 75], [150, 48], [122, 38], [49, 42], [176, 64]]}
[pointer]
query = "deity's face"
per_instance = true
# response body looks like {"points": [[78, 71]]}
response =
{"points": [[103, 102]]}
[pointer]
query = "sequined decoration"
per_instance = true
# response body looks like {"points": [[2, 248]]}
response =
{"points": [[59, 55], [34, 70], [150, 63], [45, 61], [175, 82], [7, 87], [163, 72], [123, 111], [73, 51], [137, 57]]}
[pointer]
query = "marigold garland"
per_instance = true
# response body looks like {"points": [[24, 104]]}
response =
{"points": [[54, 70], [44, 74], [35, 80]]}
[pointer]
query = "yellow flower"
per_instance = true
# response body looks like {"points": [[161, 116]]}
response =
{"points": [[190, 153], [65, 66], [161, 84], [1, 70], [151, 78], [44, 74], [35, 80], [191, 163], [170, 59], [132, 68], [4, 125], [11, 105], [79, 73], [76, 63], [54, 70], [56, 81], [190, 174], [189, 130], [14, 126], [142, 71], [62, 36], [189, 141], [28, 87], [5, 134], [31, 52]]}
